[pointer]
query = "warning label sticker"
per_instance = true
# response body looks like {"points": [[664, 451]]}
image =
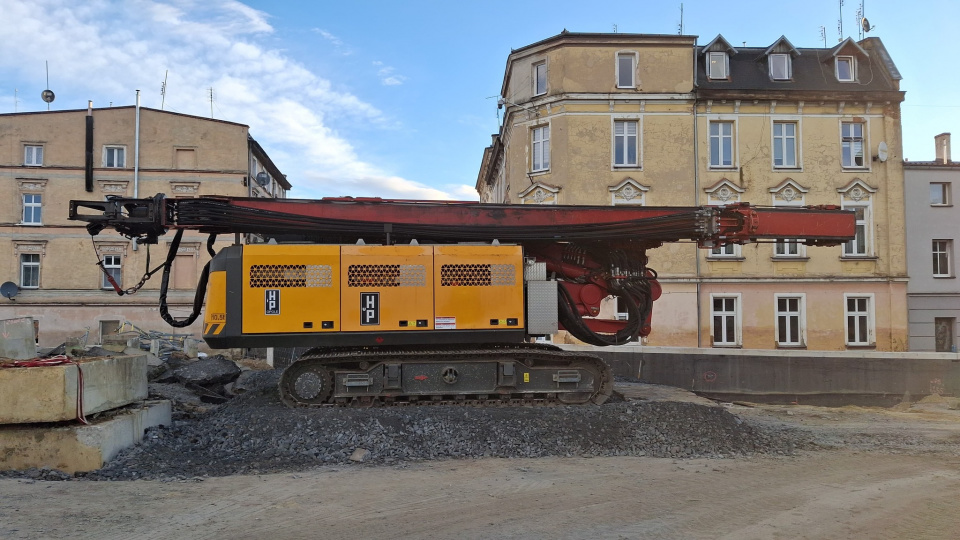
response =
{"points": [[445, 323]]}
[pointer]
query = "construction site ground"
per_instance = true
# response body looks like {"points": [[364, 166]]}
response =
{"points": [[864, 473]]}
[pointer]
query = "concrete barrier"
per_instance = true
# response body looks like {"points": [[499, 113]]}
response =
{"points": [[790, 376], [49, 393]]}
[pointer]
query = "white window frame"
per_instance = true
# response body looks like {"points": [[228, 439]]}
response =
{"points": [[540, 148], [634, 60], [789, 249], [863, 334], [31, 263], [621, 141], [942, 251], [33, 207], [727, 317], [944, 193], [717, 157], [863, 225], [800, 314], [113, 148], [718, 65], [848, 142], [113, 265], [784, 60], [853, 68], [33, 155], [537, 68], [726, 251], [783, 142]]}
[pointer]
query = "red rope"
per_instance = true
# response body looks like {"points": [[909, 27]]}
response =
{"points": [[58, 360]]}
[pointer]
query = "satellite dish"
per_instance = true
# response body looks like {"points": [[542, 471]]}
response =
{"points": [[882, 151], [9, 289], [262, 178], [866, 24], [48, 96]]}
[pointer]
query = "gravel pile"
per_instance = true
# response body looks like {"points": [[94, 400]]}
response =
{"points": [[254, 433]]}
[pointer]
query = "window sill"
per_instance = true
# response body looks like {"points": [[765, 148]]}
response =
{"points": [[787, 168], [792, 347], [728, 258], [789, 258], [540, 94], [932, 205], [854, 169], [722, 167], [859, 258], [861, 347], [539, 172], [30, 224], [33, 164], [944, 277], [727, 346], [627, 167]]}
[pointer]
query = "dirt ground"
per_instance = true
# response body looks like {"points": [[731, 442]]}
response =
{"points": [[882, 473]]}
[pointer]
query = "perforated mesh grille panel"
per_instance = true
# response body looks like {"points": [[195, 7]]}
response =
{"points": [[264, 276], [477, 275], [386, 275]]}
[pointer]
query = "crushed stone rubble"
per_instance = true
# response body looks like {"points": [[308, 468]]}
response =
{"points": [[254, 433]]}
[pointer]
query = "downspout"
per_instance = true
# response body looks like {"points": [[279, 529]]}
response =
{"points": [[88, 164], [696, 191], [136, 153]]}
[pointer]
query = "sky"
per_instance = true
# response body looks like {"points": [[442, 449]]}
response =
{"points": [[398, 99]]}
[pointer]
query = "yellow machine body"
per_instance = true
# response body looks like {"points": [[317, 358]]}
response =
{"points": [[263, 293]]}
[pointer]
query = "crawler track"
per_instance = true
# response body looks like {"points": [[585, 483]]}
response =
{"points": [[499, 375]]}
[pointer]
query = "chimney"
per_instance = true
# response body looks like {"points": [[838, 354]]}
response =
{"points": [[943, 147]]}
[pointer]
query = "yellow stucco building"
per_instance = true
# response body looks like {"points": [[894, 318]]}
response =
{"points": [[53, 261], [658, 120]]}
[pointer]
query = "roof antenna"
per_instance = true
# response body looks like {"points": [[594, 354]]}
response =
{"points": [[163, 89], [840, 23], [823, 35], [680, 28], [48, 95]]}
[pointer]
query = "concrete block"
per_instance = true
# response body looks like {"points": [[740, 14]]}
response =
{"points": [[17, 341], [76, 447], [49, 393]]}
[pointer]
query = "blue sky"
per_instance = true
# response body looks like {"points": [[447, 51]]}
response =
{"points": [[397, 99]]}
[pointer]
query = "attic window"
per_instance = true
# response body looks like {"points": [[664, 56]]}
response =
{"points": [[717, 65], [780, 69], [845, 68]]}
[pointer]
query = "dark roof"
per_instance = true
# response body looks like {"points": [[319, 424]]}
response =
{"points": [[268, 163], [813, 71]]}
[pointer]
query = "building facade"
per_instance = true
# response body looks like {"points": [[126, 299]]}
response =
{"points": [[660, 121], [933, 294], [53, 261]]}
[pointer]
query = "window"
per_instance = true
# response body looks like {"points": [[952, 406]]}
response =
{"points": [[540, 78], [941, 257], [113, 157], [717, 65], [851, 136], [846, 70], [860, 244], [779, 67], [785, 144], [787, 248], [721, 144], [944, 330], [111, 267], [625, 143], [859, 320], [32, 209], [726, 331], [726, 251], [185, 271], [625, 70], [939, 193], [30, 270], [790, 321], [541, 148], [109, 328], [33, 155]]}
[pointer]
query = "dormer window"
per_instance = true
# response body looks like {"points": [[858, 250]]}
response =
{"points": [[846, 69], [780, 68], [718, 65]]}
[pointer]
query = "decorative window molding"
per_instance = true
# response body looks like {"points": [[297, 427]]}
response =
{"points": [[111, 247], [788, 193], [717, 58], [31, 185], [540, 193], [858, 196], [844, 57], [856, 191], [723, 192], [629, 191], [779, 57], [29, 246], [184, 188], [113, 187]]}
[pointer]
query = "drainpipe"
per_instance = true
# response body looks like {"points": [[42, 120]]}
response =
{"points": [[696, 191], [88, 166], [136, 153]]}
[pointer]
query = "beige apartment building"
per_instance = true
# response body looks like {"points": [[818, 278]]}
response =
{"points": [[53, 261], [658, 120]]}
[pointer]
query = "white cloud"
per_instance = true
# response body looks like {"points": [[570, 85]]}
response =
{"points": [[387, 78], [105, 49]]}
